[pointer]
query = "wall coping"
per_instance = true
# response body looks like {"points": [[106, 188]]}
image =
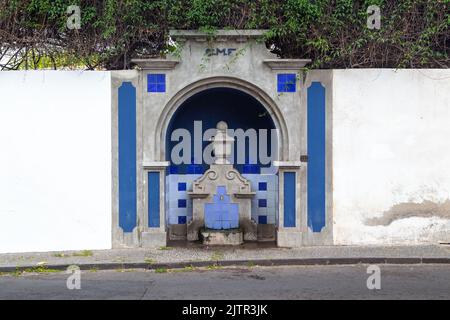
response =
{"points": [[155, 165], [219, 35], [286, 64], [288, 164], [155, 64]]}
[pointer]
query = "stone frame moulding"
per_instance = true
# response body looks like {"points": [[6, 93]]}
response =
{"points": [[289, 236], [286, 64], [151, 236], [220, 82], [155, 64]]}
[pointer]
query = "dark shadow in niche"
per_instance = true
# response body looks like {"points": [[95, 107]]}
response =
{"points": [[237, 108]]}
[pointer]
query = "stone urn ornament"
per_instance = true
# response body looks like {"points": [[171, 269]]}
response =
{"points": [[222, 198]]}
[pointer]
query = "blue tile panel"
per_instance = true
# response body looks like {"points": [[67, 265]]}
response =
{"points": [[251, 168], [262, 203], [156, 82], [289, 199], [173, 194], [153, 200], [182, 203], [173, 169], [262, 186], [221, 213], [127, 156], [316, 156], [182, 220], [262, 219], [286, 82], [270, 195], [181, 186], [195, 169]]}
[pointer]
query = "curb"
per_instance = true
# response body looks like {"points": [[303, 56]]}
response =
{"points": [[229, 263]]}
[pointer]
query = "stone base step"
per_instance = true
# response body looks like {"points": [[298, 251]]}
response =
{"points": [[233, 237]]}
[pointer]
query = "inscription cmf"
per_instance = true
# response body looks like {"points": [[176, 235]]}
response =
{"points": [[218, 51]]}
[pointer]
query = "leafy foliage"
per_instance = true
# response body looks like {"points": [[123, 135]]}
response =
{"points": [[414, 33]]}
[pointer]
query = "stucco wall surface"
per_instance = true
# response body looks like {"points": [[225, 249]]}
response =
{"points": [[55, 160], [391, 156]]}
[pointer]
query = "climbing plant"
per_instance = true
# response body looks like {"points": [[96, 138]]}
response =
{"points": [[333, 33]]}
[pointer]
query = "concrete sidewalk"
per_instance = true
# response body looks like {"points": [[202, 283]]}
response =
{"points": [[178, 257]]}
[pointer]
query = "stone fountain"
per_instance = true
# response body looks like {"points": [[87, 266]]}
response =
{"points": [[222, 199]]}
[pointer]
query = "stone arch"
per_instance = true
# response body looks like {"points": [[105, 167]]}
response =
{"points": [[220, 82]]}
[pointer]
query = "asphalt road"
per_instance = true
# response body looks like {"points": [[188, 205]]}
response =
{"points": [[296, 282]]}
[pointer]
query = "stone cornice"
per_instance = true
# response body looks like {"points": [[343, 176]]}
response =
{"points": [[219, 35], [288, 164], [155, 64], [155, 165], [286, 64]]}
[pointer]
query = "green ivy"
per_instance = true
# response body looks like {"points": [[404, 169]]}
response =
{"points": [[333, 33]]}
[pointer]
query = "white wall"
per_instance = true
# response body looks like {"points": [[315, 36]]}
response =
{"points": [[391, 148], [391, 152], [55, 161]]}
